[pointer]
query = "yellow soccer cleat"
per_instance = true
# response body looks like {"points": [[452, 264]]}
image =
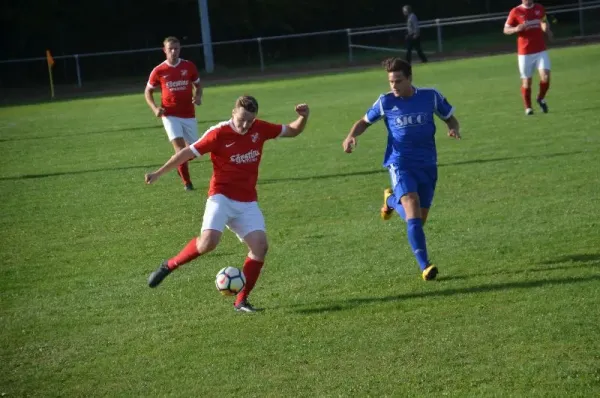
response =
{"points": [[386, 211], [430, 273]]}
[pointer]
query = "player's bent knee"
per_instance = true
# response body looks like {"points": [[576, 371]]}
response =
{"points": [[257, 244], [545, 76], [208, 241], [410, 199], [205, 246], [411, 204], [259, 249], [257, 253], [178, 144]]}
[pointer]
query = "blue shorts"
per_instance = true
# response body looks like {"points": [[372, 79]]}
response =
{"points": [[422, 181]]}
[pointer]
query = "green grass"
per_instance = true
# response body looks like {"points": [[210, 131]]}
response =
{"points": [[514, 229]]}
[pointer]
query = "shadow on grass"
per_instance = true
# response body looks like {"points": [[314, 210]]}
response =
{"points": [[79, 134], [86, 133], [508, 158], [582, 260], [68, 173], [148, 167], [576, 258], [494, 287], [382, 170], [288, 179]]}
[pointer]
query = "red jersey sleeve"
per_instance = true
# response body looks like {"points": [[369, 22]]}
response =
{"points": [[207, 143], [270, 130], [512, 19], [543, 17], [154, 81]]}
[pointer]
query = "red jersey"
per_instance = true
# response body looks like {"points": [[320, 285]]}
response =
{"points": [[176, 87], [531, 40], [235, 157]]}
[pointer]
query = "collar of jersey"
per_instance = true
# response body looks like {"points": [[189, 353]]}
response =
{"points": [[235, 130], [416, 90], [174, 66]]}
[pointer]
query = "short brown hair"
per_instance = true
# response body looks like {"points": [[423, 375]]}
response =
{"points": [[170, 39], [248, 102], [397, 65]]}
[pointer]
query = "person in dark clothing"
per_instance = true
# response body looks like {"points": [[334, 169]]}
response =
{"points": [[413, 35]]}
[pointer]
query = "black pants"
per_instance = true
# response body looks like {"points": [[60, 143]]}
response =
{"points": [[414, 42]]}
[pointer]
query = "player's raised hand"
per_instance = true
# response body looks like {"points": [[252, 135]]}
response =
{"points": [[158, 112], [520, 27], [302, 110], [150, 178], [349, 144], [454, 133]]}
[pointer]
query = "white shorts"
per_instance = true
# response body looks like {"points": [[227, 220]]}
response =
{"points": [[178, 127], [529, 62], [240, 217]]}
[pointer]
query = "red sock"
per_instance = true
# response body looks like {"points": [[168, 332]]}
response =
{"points": [[251, 272], [189, 252], [526, 94], [544, 86], [184, 173]]}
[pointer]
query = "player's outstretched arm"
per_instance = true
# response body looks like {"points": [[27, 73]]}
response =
{"points": [[357, 129], [297, 126], [453, 127], [180, 157]]}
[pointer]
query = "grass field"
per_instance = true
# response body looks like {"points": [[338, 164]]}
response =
{"points": [[514, 229]]}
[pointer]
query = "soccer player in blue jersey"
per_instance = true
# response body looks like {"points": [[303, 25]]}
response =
{"points": [[410, 155]]}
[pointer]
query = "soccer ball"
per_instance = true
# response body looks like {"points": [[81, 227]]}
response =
{"points": [[230, 281]]}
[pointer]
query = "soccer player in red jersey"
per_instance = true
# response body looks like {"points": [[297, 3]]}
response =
{"points": [[180, 87], [530, 23], [235, 148]]}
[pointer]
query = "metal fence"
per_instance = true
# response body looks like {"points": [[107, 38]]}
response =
{"points": [[296, 51], [479, 27]]}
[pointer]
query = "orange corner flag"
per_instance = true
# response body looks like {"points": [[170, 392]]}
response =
{"points": [[49, 58], [50, 65]]}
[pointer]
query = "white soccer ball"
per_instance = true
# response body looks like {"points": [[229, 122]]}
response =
{"points": [[230, 281]]}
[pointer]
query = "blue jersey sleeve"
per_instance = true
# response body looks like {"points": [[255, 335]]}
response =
{"points": [[375, 112], [442, 107]]}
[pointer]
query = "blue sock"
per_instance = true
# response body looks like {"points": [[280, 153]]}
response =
{"points": [[400, 210], [392, 202], [416, 238]]}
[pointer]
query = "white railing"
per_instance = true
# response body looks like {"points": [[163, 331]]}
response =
{"points": [[575, 6], [438, 23], [441, 22]]}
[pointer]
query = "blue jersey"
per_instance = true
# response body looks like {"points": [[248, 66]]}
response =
{"points": [[410, 126]]}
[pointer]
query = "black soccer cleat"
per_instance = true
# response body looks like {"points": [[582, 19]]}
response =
{"points": [[157, 276], [542, 103], [244, 306], [188, 187]]}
